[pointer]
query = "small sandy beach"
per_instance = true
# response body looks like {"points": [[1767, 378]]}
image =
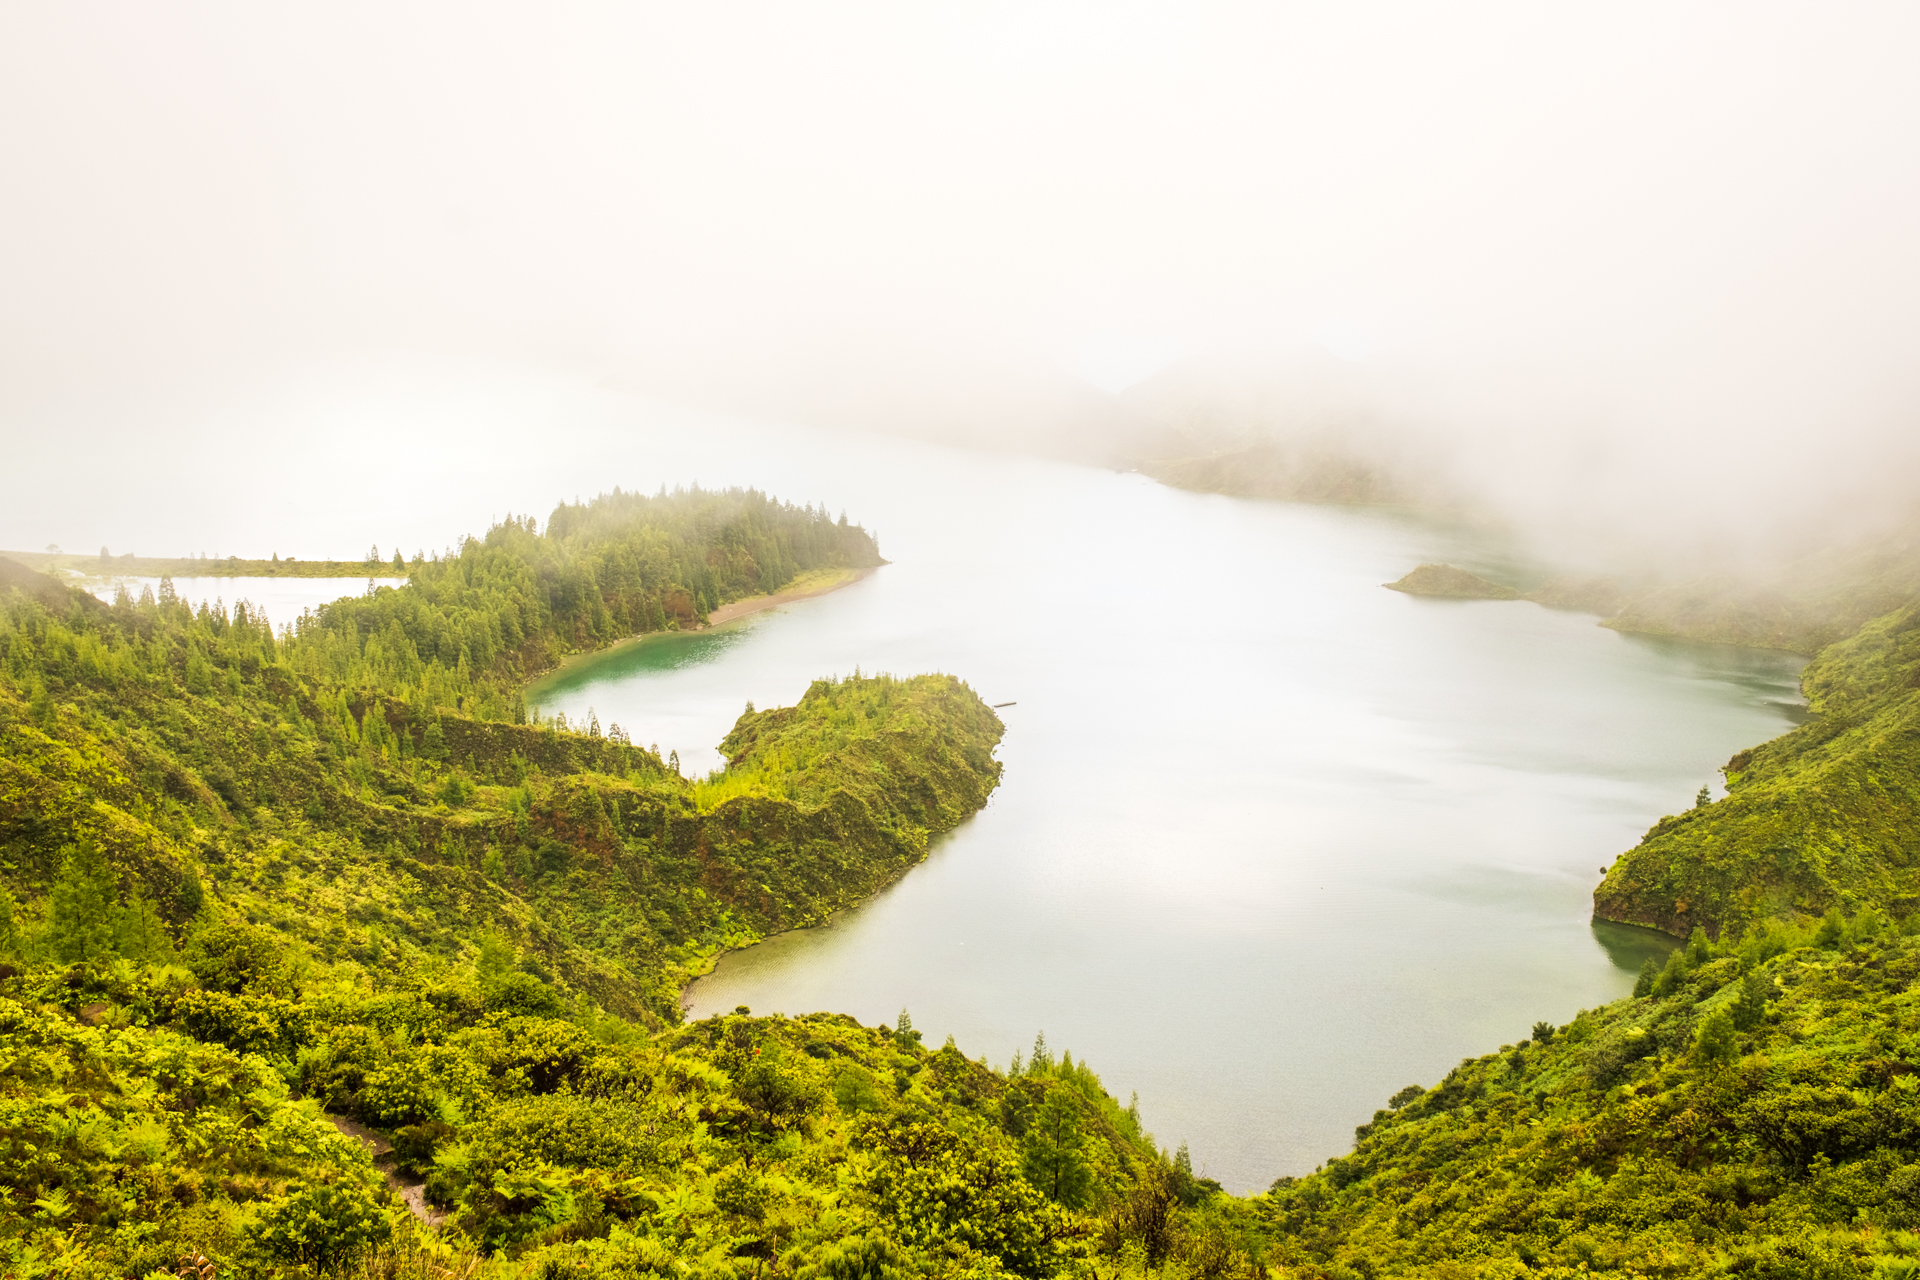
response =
{"points": [[811, 585]]}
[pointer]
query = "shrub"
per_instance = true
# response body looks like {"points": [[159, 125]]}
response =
{"points": [[234, 957], [323, 1225]]}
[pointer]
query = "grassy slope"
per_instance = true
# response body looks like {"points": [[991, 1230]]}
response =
{"points": [[1825, 815]]}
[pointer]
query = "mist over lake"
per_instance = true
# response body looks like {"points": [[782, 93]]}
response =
{"points": [[1271, 843]]}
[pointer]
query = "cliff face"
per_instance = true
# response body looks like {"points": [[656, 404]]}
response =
{"points": [[1826, 815]]}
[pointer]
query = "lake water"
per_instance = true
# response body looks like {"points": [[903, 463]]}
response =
{"points": [[281, 599], [1272, 841]]}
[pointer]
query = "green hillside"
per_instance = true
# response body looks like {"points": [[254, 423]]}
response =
{"points": [[305, 969], [1826, 815], [1759, 1117]]}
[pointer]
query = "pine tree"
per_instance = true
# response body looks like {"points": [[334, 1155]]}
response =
{"points": [[1703, 799], [40, 705], [139, 934], [1649, 975], [10, 938], [1715, 1042], [1051, 1154], [1750, 1007], [1699, 950], [1673, 976], [81, 917]]}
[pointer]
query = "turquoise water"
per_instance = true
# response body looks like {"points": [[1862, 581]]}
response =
{"points": [[1272, 841]]}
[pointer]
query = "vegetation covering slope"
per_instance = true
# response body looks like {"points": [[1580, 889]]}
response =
{"points": [[474, 626], [159, 1112], [1755, 1111], [249, 892], [1828, 814]]}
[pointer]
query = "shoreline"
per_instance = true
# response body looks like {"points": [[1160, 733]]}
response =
{"points": [[726, 613], [754, 604]]}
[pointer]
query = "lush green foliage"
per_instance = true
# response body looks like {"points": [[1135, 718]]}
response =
{"points": [[1826, 815], [1760, 1118], [251, 894], [474, 626]]}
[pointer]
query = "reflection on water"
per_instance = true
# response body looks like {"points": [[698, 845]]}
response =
{"points": [[1272, 842], [1629, 947]]}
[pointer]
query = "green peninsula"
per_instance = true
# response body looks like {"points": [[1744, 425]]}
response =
{"points": [[1450, 583], [317, 959]]}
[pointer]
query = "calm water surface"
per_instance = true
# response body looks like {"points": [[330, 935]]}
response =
{"points": [[282, 599], [1271, 843]]}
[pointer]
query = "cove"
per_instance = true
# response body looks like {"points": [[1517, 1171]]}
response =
{"points": [[1272, 841]]}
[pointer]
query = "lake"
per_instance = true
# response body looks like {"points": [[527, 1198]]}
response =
{"points": [[1272, 842], [283, 600]]}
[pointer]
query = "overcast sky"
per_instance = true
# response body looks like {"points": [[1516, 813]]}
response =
{"points": [[1685, 231]]}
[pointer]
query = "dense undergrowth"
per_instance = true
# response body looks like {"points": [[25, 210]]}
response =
{"points": [[1826, 815]]}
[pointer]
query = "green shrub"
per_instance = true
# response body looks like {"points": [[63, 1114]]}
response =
{"points": [[322, 1226]]}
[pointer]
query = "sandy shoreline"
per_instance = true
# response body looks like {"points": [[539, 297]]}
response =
{"points": [[754, 604]]}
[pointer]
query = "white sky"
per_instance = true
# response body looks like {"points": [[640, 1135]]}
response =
{"points": [[1686, 227]]}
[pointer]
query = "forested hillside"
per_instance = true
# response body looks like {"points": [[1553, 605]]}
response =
{"points": [[1756, 1112], [316, 960], [248, 904], [1826, 815], [474, 626]]}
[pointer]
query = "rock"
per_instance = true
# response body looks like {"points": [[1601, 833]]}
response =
{"points": [[1449, 583]]}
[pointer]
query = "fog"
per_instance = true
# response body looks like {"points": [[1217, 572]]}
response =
{"points": [[1635, 272]]}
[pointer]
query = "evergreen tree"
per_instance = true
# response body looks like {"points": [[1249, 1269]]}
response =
{"points": [[138, 932], [81, 915], [1715, 1042], [1673, 976], [1833, 929], [496, 958], [1699, 950], [1702, 799], [1051, 1153], [1750, 1008], [1649, 975], [1041, 1063], [40, 704], [10, 938]]}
